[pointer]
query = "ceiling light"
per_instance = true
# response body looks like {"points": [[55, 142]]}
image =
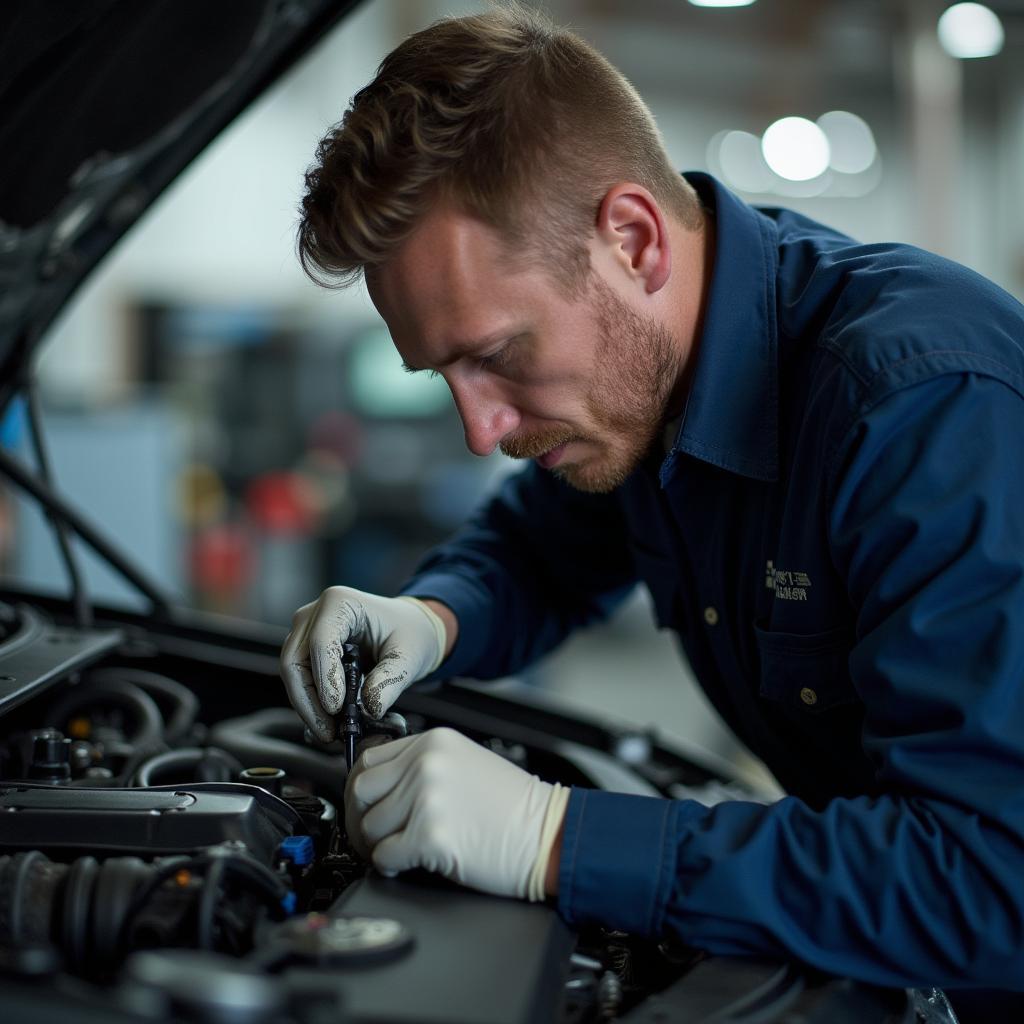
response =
{"points": [[742, 163], [851, 145], [795, 149], [970, 30], [721, 3]]}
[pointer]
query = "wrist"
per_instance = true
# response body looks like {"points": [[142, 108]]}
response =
{"points": [[543, 878], [447, 616]]}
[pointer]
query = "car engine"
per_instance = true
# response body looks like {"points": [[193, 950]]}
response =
{"points": [[171, 848]]}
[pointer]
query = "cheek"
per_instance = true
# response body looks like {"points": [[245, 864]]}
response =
{"points": [[551, 383], [549, 403]]}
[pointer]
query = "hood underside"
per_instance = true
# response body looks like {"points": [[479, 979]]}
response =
{"points": [[102, 104]]}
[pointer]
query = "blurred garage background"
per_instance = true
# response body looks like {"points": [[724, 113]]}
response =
{"points": [[251, 439]]}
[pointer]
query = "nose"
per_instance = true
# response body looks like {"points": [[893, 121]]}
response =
{"points": [[486, 415]]}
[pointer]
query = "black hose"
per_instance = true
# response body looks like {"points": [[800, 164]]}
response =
{"points": [[184, 702], [269, 884], [166, 870], [150, 723], [147, 738], [274, 737], [185, 759], [207, 912]]}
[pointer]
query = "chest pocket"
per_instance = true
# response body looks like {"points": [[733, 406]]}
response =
{"points": [[806, 673]]}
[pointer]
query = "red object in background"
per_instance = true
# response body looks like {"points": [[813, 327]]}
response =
{"points": [[282, 503], [221, 560]]}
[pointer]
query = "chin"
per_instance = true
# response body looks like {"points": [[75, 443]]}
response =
{"points": [[598, 475]]}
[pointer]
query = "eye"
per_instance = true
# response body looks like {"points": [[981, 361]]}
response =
{"points": [[497, 360], [417, 369]]}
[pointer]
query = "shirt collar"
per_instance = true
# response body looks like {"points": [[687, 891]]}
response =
{"points": [[731, 414]]}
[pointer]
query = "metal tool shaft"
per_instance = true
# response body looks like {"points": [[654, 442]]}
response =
{"points": [[351, 727]]}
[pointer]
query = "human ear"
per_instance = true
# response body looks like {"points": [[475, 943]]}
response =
{"points": [[633, 233]]}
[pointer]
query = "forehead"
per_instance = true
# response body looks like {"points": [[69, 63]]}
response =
{"points": [[453, 280]]}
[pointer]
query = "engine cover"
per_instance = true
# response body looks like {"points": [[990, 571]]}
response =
{"points": [[151, 822]]}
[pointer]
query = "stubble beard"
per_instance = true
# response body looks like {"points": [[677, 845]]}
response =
{"points": [[637, 367]]}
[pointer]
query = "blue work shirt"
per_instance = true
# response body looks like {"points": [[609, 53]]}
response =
{"points": [[837, 537]]}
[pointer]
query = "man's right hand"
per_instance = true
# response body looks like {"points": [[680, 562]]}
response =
{"points": [[400, 641]]}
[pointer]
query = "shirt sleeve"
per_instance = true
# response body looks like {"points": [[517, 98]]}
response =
{"points": [[536, 562], [922, 881]]}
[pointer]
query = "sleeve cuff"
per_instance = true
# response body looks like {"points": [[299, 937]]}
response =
{"points": [[470, 604], [618, 860]]}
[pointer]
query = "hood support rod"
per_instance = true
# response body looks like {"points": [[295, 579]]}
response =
{"points": [[79, 599]]}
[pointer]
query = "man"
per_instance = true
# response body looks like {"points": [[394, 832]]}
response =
{"points": [[806, 448]]}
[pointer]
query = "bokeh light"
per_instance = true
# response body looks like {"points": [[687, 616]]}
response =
{"points": [[970, 30], [851, 143], [721, 3], [742, 163], [795, 149]]}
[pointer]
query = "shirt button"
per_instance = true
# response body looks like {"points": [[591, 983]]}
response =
{"points": [[711, 616], [808, 696]]}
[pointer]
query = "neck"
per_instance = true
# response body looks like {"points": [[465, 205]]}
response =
{"points": [[693, 262]]}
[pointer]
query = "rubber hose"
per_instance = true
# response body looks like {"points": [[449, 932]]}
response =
{"points": [[118, 881], [150, 724], [273, 738], [77, 910], [208, 900], [185, 702], [28, 891], [185, 759]]}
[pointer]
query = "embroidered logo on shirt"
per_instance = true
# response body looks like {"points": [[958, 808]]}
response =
{"points": [[788, 586]]}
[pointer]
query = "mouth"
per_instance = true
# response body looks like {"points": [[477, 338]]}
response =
{"points": [[551, 458]]}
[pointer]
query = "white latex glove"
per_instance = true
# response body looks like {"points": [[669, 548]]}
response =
{"points": [[400, 640], [442, 802]]}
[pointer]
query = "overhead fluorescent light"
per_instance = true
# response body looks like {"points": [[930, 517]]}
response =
{"points": [[795, 149], [970, 30], [851, 142]]}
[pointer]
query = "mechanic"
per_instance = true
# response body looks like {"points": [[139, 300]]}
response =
{"points": [[807, 448]]}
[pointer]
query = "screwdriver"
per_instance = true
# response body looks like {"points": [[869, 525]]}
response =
{"points": [[351, 726]]}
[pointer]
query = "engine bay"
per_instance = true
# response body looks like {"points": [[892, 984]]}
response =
{"points": [[159, 858], [172, 848]]}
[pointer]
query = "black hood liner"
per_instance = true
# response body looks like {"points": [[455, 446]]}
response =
{"points": [[82, 78], [103, 103]]}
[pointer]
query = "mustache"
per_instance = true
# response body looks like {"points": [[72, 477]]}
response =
{"points": [[530, 446]]}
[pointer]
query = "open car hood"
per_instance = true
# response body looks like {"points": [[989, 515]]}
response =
{"points": [[102, 104]]}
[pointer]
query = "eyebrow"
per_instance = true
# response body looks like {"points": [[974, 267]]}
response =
{"points": [[469, 348]]}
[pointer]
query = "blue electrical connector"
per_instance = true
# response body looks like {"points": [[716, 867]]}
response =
{"points": [[297, 849]]}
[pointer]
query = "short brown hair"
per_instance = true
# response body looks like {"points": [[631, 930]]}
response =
{"points": [[498, 113]]}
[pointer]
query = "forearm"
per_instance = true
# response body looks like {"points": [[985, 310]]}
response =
{"points": [[535, 562], [888, 890]]}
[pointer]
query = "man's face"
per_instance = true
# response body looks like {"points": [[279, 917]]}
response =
{"points": [[579, 383]]}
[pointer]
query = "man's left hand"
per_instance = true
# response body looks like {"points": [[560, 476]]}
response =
{"points": [[442, 802]]}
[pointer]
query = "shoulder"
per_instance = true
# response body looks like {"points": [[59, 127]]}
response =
{"points": [[892, 314]]}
